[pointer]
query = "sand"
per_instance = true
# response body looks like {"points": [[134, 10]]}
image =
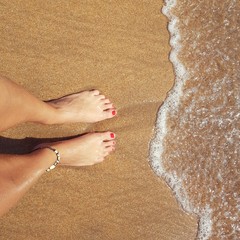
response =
{"points": [[53, 48]]}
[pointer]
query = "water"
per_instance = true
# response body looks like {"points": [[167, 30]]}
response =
{"points": [[196, 145]]}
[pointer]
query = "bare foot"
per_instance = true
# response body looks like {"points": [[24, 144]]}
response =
{"points": [[87, 106], [86, 150]]}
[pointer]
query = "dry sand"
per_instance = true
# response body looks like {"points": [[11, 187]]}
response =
{"points": [[53, 48]]}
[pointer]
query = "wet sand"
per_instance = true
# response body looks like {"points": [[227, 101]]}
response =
{"points": [[120, 48]]}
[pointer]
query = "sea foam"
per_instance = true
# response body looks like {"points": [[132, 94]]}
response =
{"points": [[169, 106]]}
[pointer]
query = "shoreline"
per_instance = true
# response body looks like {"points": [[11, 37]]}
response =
{"points": [[169, 107]]}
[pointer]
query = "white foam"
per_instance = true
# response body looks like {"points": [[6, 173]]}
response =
{"points": [[205, 224], [169, 106]]}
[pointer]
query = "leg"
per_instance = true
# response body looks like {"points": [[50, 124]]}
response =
{"points": [[17, 106], [19, 172]]}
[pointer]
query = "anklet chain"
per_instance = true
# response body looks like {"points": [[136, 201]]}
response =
{"points": [[57, 160]]}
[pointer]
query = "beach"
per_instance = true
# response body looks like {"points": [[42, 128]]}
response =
{"points": [[122, 49]]}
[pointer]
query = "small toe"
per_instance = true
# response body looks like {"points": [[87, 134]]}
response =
{"points": [[95, 92], [100, 97], [109, 143], [101, 159], [106, 101], [107, 106], [106, 153], [109, 149], [112, 148]]}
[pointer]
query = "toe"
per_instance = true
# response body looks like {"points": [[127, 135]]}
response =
{"points": [[101, 159], [105, 101], [108, 136], [109, 143], [105, 154], [100, 97], [109, 113], [107, 106], [109, 149], [95, 92]]}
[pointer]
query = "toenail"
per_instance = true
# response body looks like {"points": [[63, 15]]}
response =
{"points": [[113, 112], [112, 135]]}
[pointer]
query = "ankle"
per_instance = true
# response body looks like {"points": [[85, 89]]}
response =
{"points": [[49, 115], [43, 159], [55, 116]]}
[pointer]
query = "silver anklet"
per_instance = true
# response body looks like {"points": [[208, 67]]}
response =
{"points": [[57, 160]]}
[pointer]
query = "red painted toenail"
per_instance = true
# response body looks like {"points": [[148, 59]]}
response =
{"points": [[113, 112], [112, 135]]}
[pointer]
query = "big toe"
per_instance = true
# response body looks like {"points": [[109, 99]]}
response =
{"points": [[108, 136]]}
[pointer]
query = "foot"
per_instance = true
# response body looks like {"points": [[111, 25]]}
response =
{"points": [[86, 150], [87, 106]]}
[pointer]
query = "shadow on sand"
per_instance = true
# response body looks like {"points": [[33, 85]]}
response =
{"points": [[25, 145]]}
